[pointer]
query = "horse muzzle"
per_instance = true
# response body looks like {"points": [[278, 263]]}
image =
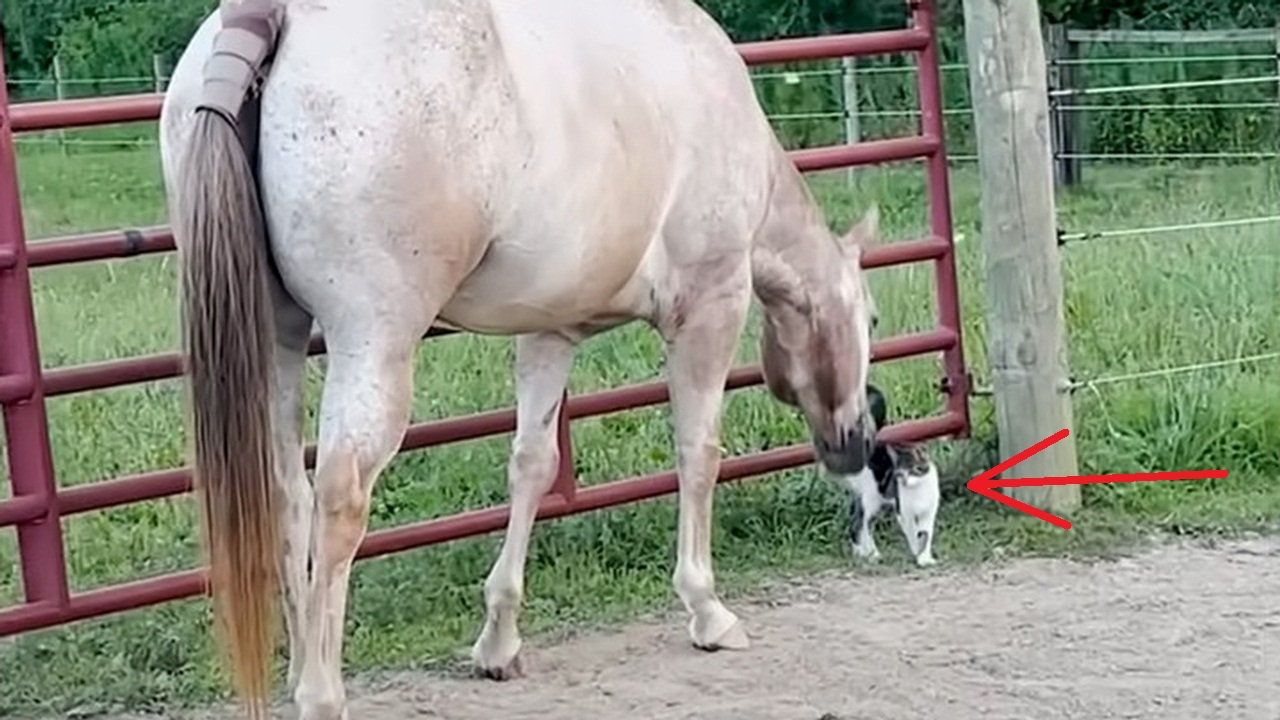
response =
{"points": [[851, 450]]}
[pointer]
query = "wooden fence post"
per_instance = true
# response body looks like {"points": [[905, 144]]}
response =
{"points": [[1026, 335], [1062, 123]]}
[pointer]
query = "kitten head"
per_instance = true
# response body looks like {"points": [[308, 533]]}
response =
{"points": [[911, 465]]}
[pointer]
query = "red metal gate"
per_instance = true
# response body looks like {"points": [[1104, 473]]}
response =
{"points": [[37, 505]]}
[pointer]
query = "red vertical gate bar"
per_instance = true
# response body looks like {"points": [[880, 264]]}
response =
{"points": [[933, 125], [44, 570]]}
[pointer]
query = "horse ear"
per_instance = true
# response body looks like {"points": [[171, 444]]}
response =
{"points": [[866, 232]]}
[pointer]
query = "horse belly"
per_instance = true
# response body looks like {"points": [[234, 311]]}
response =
{"points": [[543, 283], [585, 203]]}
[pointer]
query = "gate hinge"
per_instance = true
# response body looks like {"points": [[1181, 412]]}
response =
{"points": [[952, 384]]}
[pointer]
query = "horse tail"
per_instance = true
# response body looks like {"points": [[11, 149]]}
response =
{"points": [[228, 343]]}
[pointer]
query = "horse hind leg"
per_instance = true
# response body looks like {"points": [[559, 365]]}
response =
{"points": [[293, 329], [699, 355], [542, 367], [364, 414]]}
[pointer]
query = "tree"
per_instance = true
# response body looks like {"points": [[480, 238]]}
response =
{"points": [[123, 40]]}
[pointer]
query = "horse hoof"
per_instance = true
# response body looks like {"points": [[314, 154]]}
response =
{"points": [[323, 711], [735, 638], [511, 671]]}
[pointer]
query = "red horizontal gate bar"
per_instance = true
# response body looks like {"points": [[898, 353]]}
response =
{"points": [[884, 42], [99, 246]]}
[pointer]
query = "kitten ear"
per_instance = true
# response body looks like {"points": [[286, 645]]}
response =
{"points": [[919, 459]]}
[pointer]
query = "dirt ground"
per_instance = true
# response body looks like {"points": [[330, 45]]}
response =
{"points": [[1178, 633]]}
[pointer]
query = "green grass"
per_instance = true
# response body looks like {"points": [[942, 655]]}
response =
{"points": [[1132, 304]]}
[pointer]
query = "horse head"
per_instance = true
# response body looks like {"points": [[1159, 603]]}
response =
{"points": [[816, 344]]}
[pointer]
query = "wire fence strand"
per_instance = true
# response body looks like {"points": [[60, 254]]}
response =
{"points": [[1064, 238], [824, 114], [1171, 106], [1112, 89], [1170, 156], [1130, 60], [1169, 371], [1104, 380], [955, 67]]}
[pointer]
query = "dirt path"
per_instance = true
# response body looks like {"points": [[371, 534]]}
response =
{"points": [[1179, 633]]}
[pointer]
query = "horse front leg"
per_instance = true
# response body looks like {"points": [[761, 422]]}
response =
{"points": [[543, 363], [699, 356]]}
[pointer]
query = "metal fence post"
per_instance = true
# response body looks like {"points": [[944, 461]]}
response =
{"points": [[44, 570], [1062, 122], [946, 286]]}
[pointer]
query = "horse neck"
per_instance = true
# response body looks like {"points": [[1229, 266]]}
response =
{"points": [[793, 249]]}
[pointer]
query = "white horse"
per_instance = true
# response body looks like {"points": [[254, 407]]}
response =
{"points": [[547, 169]]}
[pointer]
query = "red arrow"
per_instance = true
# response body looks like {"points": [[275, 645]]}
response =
{"points": [[984, 484]]}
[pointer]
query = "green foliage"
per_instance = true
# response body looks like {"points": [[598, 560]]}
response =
{"points": [[751, 20], [126, 40]]}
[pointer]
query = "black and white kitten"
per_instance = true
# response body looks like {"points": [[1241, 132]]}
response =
{"points": [[900, 477]]}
